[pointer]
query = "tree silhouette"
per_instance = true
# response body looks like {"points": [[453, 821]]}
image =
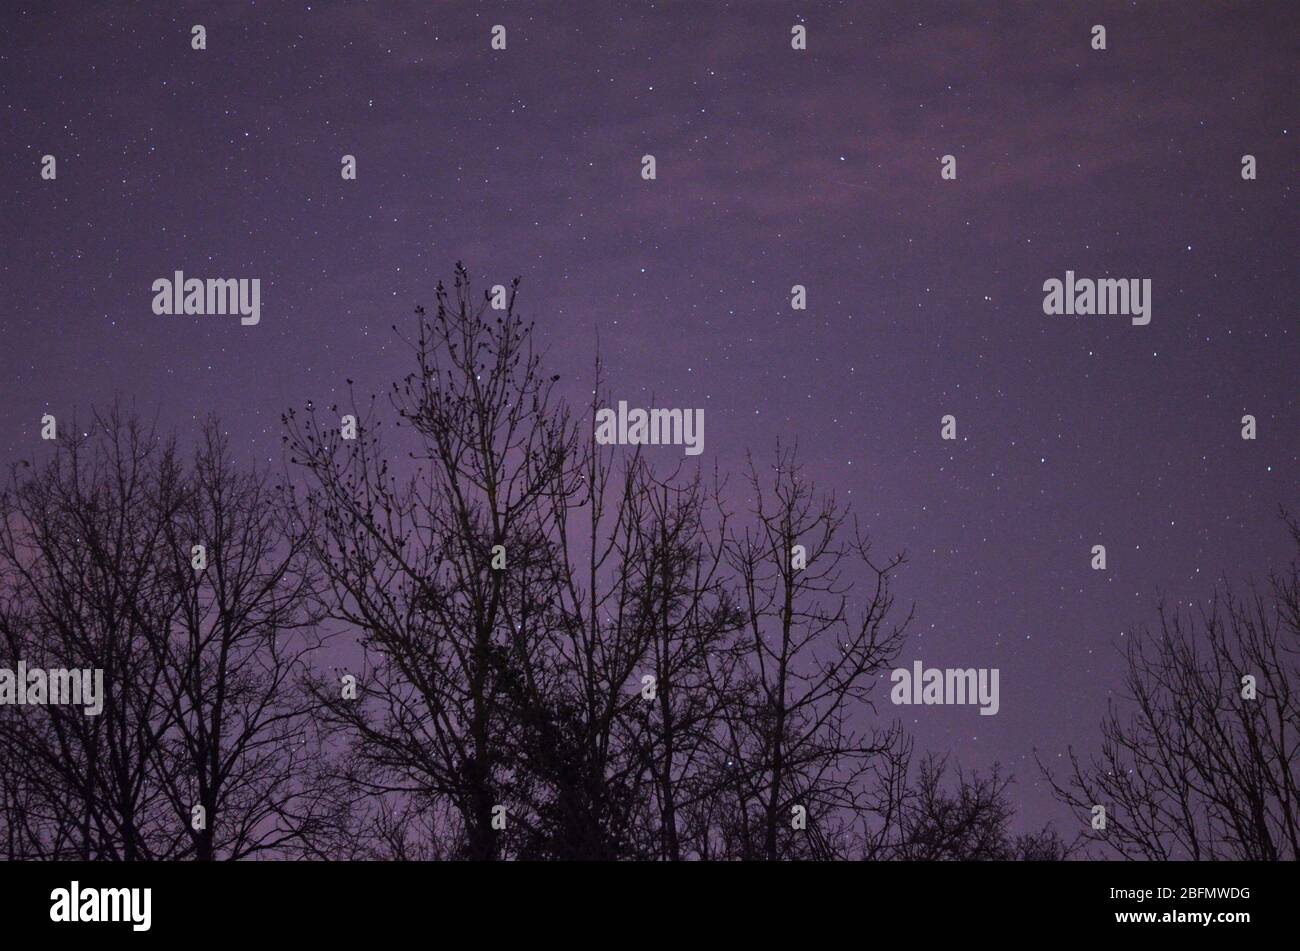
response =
{"points": [[966, 822], [201, 705], [560, 649], [562, 640], [814, 644], [1202, 763], [410, 563]]}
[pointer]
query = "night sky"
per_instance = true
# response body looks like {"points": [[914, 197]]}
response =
{"points": [[775, 167]]}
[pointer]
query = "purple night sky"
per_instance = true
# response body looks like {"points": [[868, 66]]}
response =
{"points": [[775, 168]]}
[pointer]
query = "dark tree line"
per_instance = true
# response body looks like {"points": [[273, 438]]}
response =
{"points": [[543, 648]]}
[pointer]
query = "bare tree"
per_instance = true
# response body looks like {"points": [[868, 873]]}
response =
{"points": [[242, 738], [639, 681], [639, 642], [813, 647], [1202, 762], [968, 820], [199, 672], [425, 568], [567, 653], [80, 546], [687, 604]]}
